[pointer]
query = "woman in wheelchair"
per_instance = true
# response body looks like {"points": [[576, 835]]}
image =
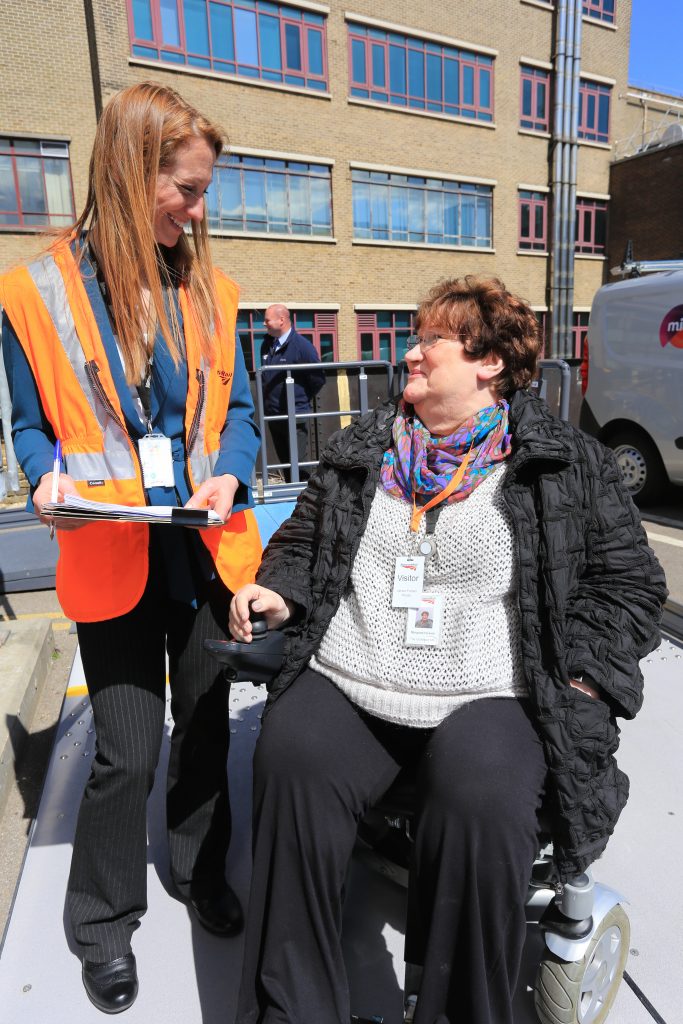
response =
{"points": [[466, 500]]}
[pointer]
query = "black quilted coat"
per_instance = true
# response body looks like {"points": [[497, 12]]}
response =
{"points": [[590, 596]]}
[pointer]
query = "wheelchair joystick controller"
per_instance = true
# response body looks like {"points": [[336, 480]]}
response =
{"points": [[257, 662], [571, 913]]}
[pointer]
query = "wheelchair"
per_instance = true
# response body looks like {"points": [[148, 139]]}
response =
{"points": [[585, 928]]}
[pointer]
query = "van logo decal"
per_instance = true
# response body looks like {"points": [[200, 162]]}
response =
{"points": [[671, 330]]}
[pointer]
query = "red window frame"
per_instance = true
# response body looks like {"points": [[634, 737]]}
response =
{"points": [[403, 99], [537, 77], [51, 220], [366, 324], [184, 55], [252, 335], [596, 9], [590, 130], [579, 332], [534, 200], [587, 211]]}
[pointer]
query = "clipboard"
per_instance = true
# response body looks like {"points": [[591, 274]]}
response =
{"points": [[75, 507]]}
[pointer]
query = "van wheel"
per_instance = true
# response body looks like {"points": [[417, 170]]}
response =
{"points": [[640, 464], [583, 992]]}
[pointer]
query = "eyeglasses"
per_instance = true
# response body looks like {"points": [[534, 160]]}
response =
{"points": [[431, 338]]}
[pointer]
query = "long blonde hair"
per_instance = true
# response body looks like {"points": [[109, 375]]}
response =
{"points": [[140, 132]]}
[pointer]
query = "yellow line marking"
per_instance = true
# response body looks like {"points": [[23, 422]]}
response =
{"points": [[663, 539]]}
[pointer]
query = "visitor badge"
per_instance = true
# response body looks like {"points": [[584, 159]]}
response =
{"points": [[424, 623], [156, 459], [408, 579]]}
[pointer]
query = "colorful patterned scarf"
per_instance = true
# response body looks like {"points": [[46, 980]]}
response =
{"points": [[422, 464]]}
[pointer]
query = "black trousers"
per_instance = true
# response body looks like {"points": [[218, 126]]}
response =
{"points": [[319, 764], [125, 669], [279, 431]]}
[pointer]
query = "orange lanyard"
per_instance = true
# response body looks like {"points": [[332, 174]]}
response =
{"points": [[448, 489]]}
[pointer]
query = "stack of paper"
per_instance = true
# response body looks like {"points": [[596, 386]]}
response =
{"points": [[75, 507]]}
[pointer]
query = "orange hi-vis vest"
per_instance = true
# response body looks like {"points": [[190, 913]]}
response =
{"points": [[102, 567]]}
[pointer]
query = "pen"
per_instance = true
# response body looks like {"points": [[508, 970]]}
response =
{"points": [[56, 466]]}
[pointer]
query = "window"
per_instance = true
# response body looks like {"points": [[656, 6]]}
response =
{"points": [[535, 99], [591, 226], [250, 193], [407, 72], [601, 10], [427, 211], [319, 327], [594, 101], [250, 38], [533, 221], [580, 332], [35, 184], [384, 334]]}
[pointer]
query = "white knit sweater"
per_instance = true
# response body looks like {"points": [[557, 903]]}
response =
{"points": [[363, 650]]}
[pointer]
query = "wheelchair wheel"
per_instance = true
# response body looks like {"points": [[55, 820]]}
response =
{"points": [[583, 992]]}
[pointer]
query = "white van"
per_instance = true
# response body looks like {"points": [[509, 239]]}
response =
{"points": [[632, 379]]}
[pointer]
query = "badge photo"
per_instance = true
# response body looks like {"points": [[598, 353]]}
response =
{"points": [[423, 626]]}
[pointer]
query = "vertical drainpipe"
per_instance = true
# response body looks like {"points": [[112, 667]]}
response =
{"points": [[557, 144], [573, 145], [566, 265]]}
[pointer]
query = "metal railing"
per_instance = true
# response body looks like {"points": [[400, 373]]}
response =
{"points": [[553, 385], [264, 489]]}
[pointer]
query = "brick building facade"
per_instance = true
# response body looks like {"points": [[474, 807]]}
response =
{"points": [[646, 204], [374, 151]]}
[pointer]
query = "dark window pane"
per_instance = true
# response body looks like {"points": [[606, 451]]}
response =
{"points": [[526, 97], [451, 81], [538, 222], [603, 115], [293, 47], [142, 19], [8, 195], [315, 51], [468, 85], [434, 78], [484, 89], [269, 29], [196, 28], [397, 69], [31, 185], [525, 220], [222, 41], [600, 228], [378, 71], [358, 60], [416, 73], [366, 350], [540, 100]]}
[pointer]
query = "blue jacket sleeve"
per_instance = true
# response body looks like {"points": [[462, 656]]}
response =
{"points": [[240, 437], [32, 435]]}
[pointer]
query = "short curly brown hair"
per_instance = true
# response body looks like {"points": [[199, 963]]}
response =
{"points": [[493, 320]]}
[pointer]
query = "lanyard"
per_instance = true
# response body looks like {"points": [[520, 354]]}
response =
{"points": [[438, 498]]}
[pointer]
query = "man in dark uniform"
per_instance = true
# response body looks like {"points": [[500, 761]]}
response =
{"points": [[283, 345]]}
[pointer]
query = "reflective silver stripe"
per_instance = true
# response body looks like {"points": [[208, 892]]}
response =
{"points": [[116, 462], [201, 465]]}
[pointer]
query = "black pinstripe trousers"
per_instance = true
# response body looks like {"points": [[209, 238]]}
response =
{"points": [[125, 669]]}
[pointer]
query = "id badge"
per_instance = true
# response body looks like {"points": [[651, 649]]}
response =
{"points": [[156, 458], [408, 579], [425, 623]]}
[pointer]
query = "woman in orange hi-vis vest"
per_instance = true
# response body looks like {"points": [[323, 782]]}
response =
{"points": [[119, 343]]}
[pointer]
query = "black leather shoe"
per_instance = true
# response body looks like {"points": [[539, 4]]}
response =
{"points": [[220, 915], [113, 986]]}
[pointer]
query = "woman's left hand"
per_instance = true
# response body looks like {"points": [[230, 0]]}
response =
{"points": [[590, 691], [218, 493]]}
